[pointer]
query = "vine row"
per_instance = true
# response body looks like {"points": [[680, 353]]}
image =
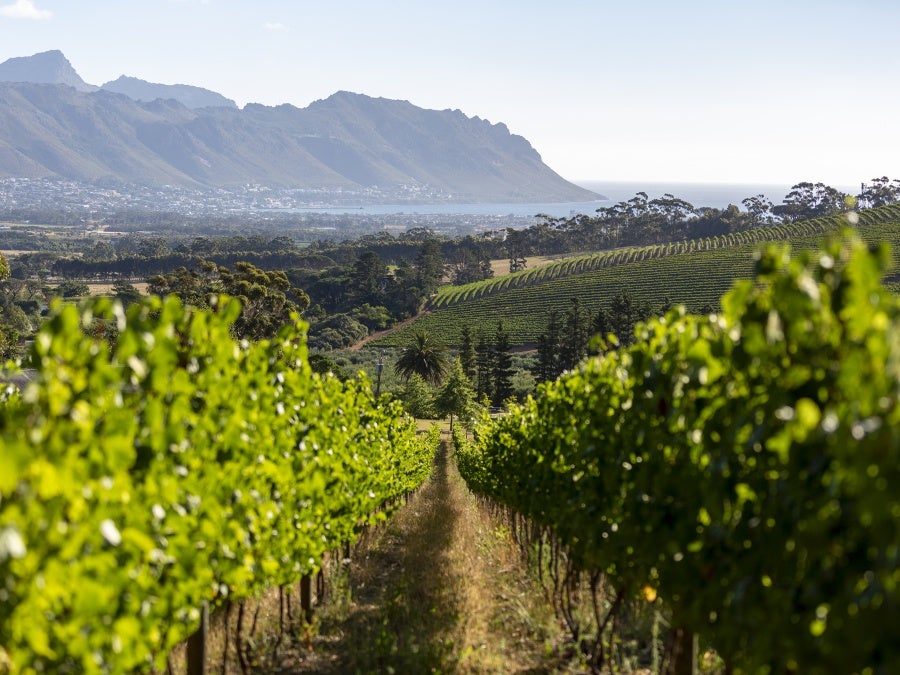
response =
{"points": [[155, 464], [739, 467]]}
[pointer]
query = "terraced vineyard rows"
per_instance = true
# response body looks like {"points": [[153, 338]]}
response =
{"points": [[692, 279], [451, 295]]}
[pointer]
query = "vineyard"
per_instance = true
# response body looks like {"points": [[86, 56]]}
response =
{"points": [[691, 279], [739, 469], [451, 295], [155, 466]]}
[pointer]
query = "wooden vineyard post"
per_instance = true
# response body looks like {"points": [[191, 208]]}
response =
{"points": [[684, 654], [306, 597], [196, 645]]}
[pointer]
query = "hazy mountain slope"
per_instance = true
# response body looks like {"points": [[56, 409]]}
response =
{"points": [[62, 133], [439, 147], [189, 96], [347, 141]]}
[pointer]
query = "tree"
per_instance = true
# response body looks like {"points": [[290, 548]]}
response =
{"points": [[319, 363], [430, 266], [601, 326], [4, 268], [373, 318], [573, 342], [760, 210], [126, 293], [153, 247], [548, 350], [624, 314], [424, 357], [515, 248], [807, 200], [194, 286], [484, 367], [418, 398], [672, 208], [502, 370], [370, 279], [456, 397], [338, 331], [15, 325], [267, 298], [72, 289], [467, 266], [880, 192], [265, 301], [467, 353]]}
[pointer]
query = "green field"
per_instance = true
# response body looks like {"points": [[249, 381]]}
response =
{"points": [[693, 279]]}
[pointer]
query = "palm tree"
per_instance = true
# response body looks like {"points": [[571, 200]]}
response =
{"points": [[424, 357]]}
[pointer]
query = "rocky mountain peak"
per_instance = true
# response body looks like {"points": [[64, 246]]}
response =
{"points": [[51, 67]]}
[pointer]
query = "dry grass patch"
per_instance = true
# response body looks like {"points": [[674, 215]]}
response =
{"points": [[107, 289], [500, 266]]}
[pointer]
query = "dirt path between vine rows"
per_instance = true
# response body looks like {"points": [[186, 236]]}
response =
{"points": [[439, 588]]}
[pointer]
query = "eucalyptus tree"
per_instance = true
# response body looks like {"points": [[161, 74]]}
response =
{"points": [[760, 210], [880, 192], [808, 200]]}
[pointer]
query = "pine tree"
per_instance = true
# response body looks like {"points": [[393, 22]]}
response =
{"points": [[548, 367], [622, 317], [467, 355], [574, 341], [484, 359], [502, 367], [624, 314], [600, 328]]}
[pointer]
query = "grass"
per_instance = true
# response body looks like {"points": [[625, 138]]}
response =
{"points": [[439, 588]]}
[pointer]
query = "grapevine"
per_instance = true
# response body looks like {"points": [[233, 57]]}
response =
{"points": [[144, 475], [741, 466]]}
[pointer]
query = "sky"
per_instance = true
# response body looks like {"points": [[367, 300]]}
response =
{"points": [[716, 91]]}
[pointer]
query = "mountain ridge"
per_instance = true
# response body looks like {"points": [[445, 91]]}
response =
{"points": [[346, 142], [186, 94]]}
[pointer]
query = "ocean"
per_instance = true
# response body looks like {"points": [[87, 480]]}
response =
{"points": [[717, 195]]}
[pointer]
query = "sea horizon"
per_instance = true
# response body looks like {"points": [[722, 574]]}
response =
{"points": [[715, 195]]}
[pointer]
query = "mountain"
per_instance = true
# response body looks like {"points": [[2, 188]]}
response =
{"points": [[188, 96], [57, 126], [45, 68]]}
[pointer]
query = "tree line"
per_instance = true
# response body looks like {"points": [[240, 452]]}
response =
{"points": [[373, 281]]}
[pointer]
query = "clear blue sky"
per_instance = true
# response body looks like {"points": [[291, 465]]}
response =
{"points": [[757, 91]]}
